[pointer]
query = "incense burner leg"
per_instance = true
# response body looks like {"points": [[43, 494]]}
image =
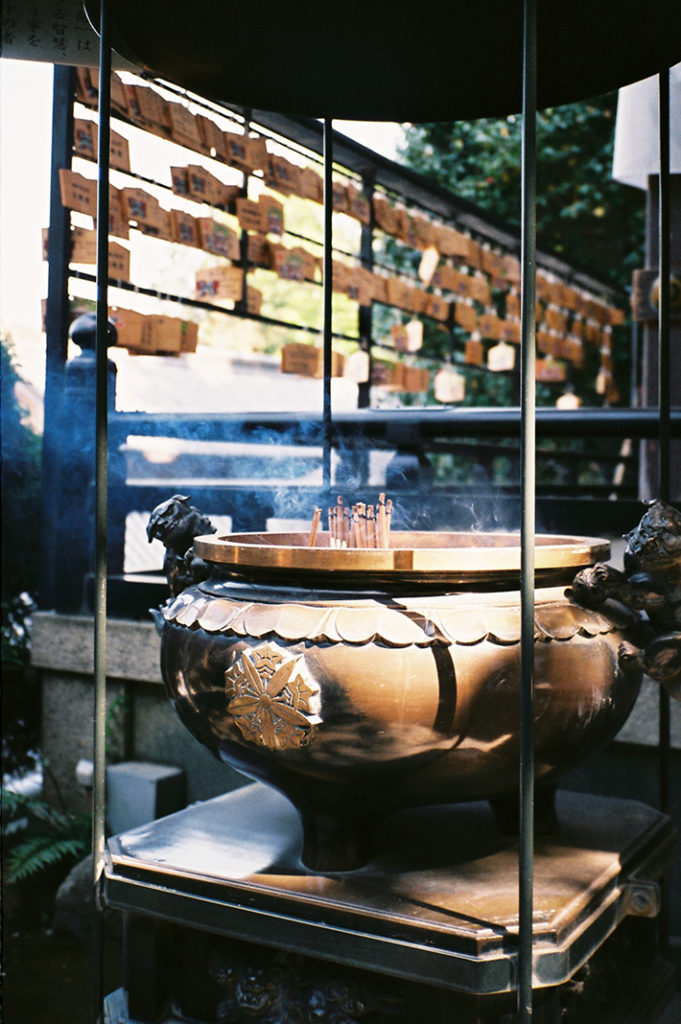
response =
{"points": [[506, 810], [333, 841]]}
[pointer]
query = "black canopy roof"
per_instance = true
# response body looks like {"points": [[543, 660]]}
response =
{"points": [[440, 60]]}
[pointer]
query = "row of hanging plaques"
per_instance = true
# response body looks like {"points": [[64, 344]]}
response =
{"points": [[568, 317]]}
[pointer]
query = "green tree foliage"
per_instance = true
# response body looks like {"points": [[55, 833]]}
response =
{"points": [[583, 216], [20, 488], [20, 570], [36, 836]]}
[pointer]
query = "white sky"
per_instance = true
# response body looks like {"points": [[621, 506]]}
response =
{"points": [[25, 137], [25, 141]]}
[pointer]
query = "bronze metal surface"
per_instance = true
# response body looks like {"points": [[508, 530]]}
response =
{"points": [[447, 557], [650, 583], [365, 691], [436, 902]]}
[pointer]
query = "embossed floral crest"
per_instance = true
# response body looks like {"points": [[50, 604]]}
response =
{"points": [[272, 702]]}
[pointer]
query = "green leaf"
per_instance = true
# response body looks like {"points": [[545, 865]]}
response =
{"points": [[39, 852]]}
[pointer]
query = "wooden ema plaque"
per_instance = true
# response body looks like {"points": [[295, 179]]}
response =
{"points": [[465, 316], [153, 334], [249, 215], [489, 326], [341, 275], [185, 228], [179, 181], [359, 205], [118, 223], [407, 230], [204, 187], [474, 352], [220, 283], [437, 307], [379, 285], [77, 192], [308, 360], [146, 212], [190, 336], [547, 342], [415, 379], [119, 100], [87, 86], [272, 215], [548, 371], [387, 374], [119, 262], [217, 238], [258, 251], [311, 264], [167, 335], [451, 242], [254, 299], [84, 139], [183, 126], [153, 109], [84, 252], [360, 286], [555, 319], [247, 153], [83, 246], [311, 185], [385, 215], [340, 197], [510, 331], [288, 264], [129, 328], [213, 138], [480, 290]]}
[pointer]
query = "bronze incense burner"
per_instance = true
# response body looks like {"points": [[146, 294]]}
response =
{"points": [[359, 681]]}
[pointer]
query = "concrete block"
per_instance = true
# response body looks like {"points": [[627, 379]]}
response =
{"points": [[139, 792]]}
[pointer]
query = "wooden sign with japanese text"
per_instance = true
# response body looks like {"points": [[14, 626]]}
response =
{"points": [[220, 283]]}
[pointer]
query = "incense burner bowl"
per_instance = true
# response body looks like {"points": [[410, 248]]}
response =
{"points": [[359, 682]]}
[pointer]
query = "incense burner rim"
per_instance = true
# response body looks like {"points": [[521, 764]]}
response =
{"points": [[459, 557]]}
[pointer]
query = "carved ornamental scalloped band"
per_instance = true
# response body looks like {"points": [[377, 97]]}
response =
{"points": [[395, 626], [272, 698]]}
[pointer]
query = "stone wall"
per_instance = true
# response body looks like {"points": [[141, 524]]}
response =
{"points": [[141, 724]]}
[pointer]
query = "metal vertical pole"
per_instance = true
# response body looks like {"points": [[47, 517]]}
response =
{"points": [[527, 528], [664, 364], [365, 312], [664, 446], [242, 303], [327, 282], [101, 445]]}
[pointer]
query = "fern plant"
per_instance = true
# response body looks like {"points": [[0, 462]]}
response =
{"points": [[37, 836]]}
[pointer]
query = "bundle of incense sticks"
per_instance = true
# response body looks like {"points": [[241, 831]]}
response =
{"points": [[361, 526]]}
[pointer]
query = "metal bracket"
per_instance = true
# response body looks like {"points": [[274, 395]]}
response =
{"points": [[641, 899]]}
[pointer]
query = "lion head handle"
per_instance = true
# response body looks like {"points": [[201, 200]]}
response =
{"points": [[650, 586], [176, 523]]}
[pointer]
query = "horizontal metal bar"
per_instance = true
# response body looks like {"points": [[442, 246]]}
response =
{"points": [[398, 426]]}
